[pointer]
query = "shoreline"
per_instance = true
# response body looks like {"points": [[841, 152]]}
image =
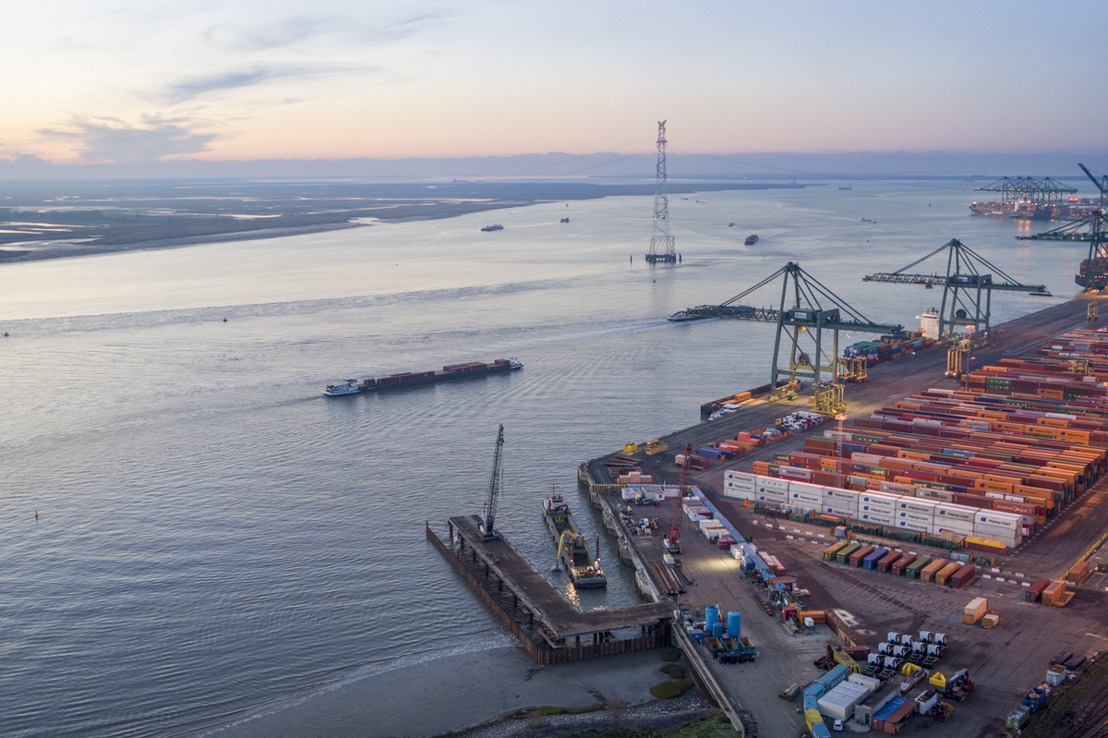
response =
{"points": [[475, 695]]}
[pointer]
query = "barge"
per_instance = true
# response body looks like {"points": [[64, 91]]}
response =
{"points": [[410, 379], [584, 571]]}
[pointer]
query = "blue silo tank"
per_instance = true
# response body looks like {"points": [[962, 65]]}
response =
{"points": [[734, 624], [717, 630], [711, 617]]}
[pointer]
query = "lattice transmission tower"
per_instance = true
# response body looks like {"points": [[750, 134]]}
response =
{"points": [[661, 240]]}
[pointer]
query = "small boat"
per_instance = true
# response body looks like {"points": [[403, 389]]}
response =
{"points": [[565, 220], [493, 227], [683, 316], [752, 239]]}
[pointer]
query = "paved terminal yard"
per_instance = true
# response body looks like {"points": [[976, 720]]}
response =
{"points": [[1004, 662]]}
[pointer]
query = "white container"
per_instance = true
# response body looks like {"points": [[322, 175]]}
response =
{"points": [[949, 511], [996, 519], [772, 483], [740, 481], [875, 517]]}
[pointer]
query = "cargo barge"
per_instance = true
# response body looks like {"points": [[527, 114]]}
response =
{"points": [[410, 379], [584, 571]]}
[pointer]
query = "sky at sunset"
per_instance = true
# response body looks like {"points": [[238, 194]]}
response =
{"points": [[115, 81]]}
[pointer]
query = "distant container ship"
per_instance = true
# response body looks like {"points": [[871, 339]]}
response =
{"points": [[1027, 210], [495, 227], [409, 379]]}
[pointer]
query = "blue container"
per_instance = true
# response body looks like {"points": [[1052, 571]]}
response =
{"points": [[734, 624], [717, 630], [870, 562], [711, 617]]}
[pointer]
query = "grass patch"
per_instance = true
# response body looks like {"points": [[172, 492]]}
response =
{"points": [[671, 654], [548, 710], [673, 671], [669, 690]]}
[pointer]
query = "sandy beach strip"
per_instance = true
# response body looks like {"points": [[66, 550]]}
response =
{"points": [[458, 692]]}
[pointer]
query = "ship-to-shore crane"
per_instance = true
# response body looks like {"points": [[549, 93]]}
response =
{"points": [[968, 275], [672, 541], [488, 515], [806, 309]]}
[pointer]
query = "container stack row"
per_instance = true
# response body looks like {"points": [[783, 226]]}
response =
{"points": [[950, 573], [883, 509]]}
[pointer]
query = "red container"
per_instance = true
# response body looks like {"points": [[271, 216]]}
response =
{"points": [[888, 560], [1035, 591], [962, 577], [858, 556], [902, 563]]}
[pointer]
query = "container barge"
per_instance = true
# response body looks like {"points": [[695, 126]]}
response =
{"points": [[410, 379], [584, 571]]}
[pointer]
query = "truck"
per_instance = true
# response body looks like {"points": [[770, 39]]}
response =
{"points": [[959, 686]]}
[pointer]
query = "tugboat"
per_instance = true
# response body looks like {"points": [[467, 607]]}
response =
{"points": [[584, 571]]}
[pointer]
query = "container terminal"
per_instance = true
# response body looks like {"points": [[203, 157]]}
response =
{"points": [[798, 615]]}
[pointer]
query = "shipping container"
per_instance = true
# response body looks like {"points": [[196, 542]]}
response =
{"points": [[912, 571], [928, 572]]}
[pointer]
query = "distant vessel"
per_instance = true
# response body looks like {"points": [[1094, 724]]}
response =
{"points": [[752, 239], [848, 187], [584, 571], [493, 227], [409, 379], [565, 220]]}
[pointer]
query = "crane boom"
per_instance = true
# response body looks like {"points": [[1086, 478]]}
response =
{"points": [[488, 515], [1099, 185], [673, 545]]}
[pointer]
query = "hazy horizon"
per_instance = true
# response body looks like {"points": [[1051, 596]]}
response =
{"points": [[125, 84]]}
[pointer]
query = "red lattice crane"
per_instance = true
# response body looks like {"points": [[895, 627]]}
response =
{"points": [[673, 545]]}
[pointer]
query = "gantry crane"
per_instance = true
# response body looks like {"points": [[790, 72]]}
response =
{"points": [[813, 308], [1090, 229], [968, 275], [672, 541], [488, 515]]}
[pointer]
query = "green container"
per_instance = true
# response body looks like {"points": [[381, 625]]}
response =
{"points": [[913, 570], [843, 554]]}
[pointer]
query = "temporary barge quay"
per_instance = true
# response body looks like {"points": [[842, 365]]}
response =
{"points": [[410, 379], [584, 571], [548, 626]]}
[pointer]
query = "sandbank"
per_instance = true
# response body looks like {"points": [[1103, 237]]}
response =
{"points": [[458, 692]]}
